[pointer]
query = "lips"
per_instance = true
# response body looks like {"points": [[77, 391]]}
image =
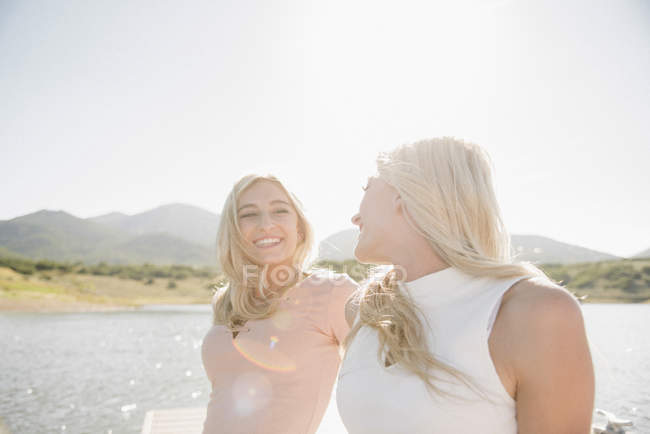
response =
{"points": [[267, 242]]}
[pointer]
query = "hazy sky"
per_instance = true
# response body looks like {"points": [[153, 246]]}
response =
{"points": [[127, 105]]}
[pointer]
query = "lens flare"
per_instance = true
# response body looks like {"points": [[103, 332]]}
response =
{"points": [[266, 356]]}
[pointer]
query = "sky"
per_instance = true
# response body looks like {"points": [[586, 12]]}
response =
{"points": [[128, 105]]}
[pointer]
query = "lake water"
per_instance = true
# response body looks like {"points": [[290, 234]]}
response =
{"points": [[101, 372]]}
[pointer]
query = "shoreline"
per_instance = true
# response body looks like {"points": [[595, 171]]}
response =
{"points": [[59, 292], [52, 305], [66, 306], [71, 292]]}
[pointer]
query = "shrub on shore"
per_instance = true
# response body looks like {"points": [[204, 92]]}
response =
{"points": [[144, 272]]}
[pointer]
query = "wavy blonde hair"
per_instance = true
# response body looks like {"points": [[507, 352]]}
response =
{"points": [[235, 303], [447, 190]]}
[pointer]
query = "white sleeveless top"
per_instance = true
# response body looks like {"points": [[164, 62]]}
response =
{"points": [[460, 310]]}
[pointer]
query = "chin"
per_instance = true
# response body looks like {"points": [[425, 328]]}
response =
{"points": [[360, 256], [369, 256], [275, 260]]}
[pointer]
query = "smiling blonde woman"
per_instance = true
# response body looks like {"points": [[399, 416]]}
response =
{"points": [[458, 337], [274, 350]]}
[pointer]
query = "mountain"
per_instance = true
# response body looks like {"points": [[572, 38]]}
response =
{"points": [[537, 249], [113, 218], [643, 254], [156, 248], [339, 246], [6, 253], [169, 234], [185, 234], [55, 235], [542, 250], [186, 222]]}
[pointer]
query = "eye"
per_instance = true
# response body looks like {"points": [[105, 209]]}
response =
{"points": [[281, 211], [250, 214]]}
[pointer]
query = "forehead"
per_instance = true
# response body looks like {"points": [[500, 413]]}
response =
{"points": [[262, 192]]}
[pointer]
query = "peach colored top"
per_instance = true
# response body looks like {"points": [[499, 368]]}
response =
{"points": [[277, 374]]}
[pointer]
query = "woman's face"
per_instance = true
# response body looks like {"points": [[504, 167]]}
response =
{"points": [[268, 223], [376, 220]]}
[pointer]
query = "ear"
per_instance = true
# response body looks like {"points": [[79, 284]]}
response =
{"points": [[398, 204]]}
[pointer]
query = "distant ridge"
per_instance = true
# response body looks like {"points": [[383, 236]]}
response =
{"points": [[340, 246], [169, 234], [643, 254], [112, 218], [158, 248], [58, 235], [185, 234], [187, 222], [542, 250]]}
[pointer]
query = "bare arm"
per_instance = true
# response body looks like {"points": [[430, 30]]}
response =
{"points": [[548, 358]]}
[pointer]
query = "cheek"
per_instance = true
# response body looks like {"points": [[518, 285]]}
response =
{"points": [[368, 209], [375, 218], [246, 230], [291, 229]]}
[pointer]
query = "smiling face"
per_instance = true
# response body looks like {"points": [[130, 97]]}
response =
{"points": [[268, 223], [378, 220]]}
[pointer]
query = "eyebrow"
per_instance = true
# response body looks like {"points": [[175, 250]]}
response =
{"points": [[272, 202]]}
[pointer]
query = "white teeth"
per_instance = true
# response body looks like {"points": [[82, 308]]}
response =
{"points": [[267, 241]]}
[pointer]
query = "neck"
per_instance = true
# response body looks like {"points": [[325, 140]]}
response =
{"points": [[418, 260]]}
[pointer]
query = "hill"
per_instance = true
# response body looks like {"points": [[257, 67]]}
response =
{"points": [[55, 235], [542, 250], [537, 249], [185, 234], [339, 246], [643, 254], [170, 234], [187, 222]]}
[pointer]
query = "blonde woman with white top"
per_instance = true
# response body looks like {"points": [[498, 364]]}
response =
{"points": [[458, 337]]}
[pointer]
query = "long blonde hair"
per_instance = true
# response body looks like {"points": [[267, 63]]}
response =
{"points": [[235, 303], [447, 189]]}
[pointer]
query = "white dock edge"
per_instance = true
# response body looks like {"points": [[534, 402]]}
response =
{"points": [[174, 421]]}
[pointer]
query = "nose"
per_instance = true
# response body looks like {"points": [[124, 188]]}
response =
{"points": [[265, 222], [356, 219]]}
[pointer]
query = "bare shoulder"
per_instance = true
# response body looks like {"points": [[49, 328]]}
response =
{"points": [[543, 353], [538, 301], [536, 315]]}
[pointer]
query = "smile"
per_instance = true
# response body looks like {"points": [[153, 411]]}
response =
{"points": [[266, 243]]}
